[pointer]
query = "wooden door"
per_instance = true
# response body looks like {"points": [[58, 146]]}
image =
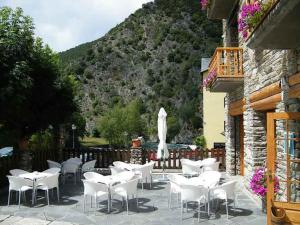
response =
{"points": [[283, 164], [242, 165]]}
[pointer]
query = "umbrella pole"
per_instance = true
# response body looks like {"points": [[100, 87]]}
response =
{"points": [[164, 164]]}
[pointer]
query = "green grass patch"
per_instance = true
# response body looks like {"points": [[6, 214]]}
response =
{"points": [[93, 141]]}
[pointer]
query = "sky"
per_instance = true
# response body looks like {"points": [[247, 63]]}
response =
{"points": [[64, 24]]}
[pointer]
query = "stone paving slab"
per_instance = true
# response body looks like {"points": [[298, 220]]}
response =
{"points": [[3, 217], [11, 220], [32, 221], [153, 209]]}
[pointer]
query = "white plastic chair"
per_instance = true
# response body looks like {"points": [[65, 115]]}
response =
{"points": [[52, 170], [210, 178], [94, 190], [17, 172], [144, 173], [224, 192], [75, 160], [211, 167], [115, 170], [123, 176], [122, 165], [88, 166], [53, 164], [208, 161], [191, 193], [19, 185], [189, 169], [96, 177], [70, 168], [127, 189], [175, 182], [47, 183]]}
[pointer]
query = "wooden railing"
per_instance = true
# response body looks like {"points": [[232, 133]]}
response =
{"points": [[173, 162], [227, 62], [104, 156]]}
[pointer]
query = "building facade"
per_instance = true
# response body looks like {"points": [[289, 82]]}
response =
{"points": [[258, 68], [213, 113]]}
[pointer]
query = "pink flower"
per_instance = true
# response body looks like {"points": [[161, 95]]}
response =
{"points": [[204, 4]]}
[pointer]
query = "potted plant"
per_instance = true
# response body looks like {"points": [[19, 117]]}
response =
{"points": [[258, 184], [251, 15]]}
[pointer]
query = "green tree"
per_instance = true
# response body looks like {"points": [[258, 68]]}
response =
{"points": [[34, 93]]}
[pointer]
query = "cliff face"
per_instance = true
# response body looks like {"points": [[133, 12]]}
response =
{"points": [[153, 55]]}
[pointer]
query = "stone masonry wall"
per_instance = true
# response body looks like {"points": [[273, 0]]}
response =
{"points": [[261, 68]]}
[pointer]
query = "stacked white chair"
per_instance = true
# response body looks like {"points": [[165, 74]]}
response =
{"points": [[127, 189], [19, 185], [53, 164], [123, 176], [122, 165], [17, 172], [94, 190], [191, 193], [224, 192], [47, 183]]}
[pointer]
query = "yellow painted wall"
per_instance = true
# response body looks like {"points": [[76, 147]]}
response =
{"points": [[213, 116]]}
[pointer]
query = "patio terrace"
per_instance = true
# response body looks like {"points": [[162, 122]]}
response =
{"points": [[153, 209]]}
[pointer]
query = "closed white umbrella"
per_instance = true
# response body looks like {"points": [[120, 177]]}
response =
{"points": [[162, 151]]}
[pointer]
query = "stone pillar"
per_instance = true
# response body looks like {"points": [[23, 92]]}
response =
{"points": [[136, 155]]}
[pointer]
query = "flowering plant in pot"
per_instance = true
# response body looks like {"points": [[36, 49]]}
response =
{"points": [[250, 16], [204, 4], [210, 78], [258, 184]]}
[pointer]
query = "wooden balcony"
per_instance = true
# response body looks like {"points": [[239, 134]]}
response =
{"points": [[226, 68], [220, 9], [279, 28]]}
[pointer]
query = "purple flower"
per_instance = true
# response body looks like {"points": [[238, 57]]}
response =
{"points": [[204, 4], [258, 182]]}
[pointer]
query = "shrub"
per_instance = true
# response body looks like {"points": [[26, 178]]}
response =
{"points": [[200, 141]]}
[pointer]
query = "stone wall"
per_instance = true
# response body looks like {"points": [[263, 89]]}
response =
{"points": [[261, 68]]}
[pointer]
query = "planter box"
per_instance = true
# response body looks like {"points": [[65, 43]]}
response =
{"points": [[280, 28], [220, 9]]}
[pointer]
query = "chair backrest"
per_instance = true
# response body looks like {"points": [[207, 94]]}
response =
{"points": [[151, 165], [144, 171], [17, 172], [175, 182], [130, 187], [74, 160], [123, 176], [211, 167], [229, 188], [69, 167], [52, 171], [210, 178], [92, 176], [188, 168], [121, 165], [208, 161], [115, 170], [16, 183], [53, 164], [192, 192], [50, 181], [88, 166], [91, 188]]}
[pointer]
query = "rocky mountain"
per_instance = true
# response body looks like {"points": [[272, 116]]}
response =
{"points": [[154, 55]]}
